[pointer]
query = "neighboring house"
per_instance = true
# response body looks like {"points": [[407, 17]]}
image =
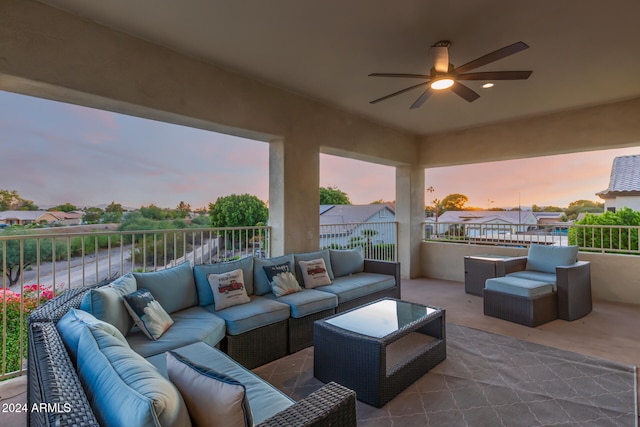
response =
{"points": [[505, 221], [624, 184], [341, 225], [38, 217], [549, 217]]}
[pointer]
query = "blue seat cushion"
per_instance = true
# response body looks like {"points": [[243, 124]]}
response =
{"points": [[201, 272], [348, 288], [517, 286], [190, 325], [307, 301], [259, 312], [264, 399], [546, 258], [105, 302], [310, 256], [174, 288], [537, 276], [261, 283], [123, 388]]}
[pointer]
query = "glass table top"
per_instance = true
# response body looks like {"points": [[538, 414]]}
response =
{"points": [[381, 318]]}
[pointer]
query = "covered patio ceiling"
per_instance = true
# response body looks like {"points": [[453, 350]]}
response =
{"points": [[582, 53]]}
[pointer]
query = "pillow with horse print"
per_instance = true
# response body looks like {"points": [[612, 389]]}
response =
{"points": [[283, 282], [147, 313]]}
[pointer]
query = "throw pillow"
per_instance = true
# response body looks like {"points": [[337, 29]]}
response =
{"points": [[314, 273], [228, 289], [283, 282], [212, 398], [147, 313]]}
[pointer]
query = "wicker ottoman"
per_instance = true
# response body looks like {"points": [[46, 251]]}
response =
{"points": [[527, 302]]}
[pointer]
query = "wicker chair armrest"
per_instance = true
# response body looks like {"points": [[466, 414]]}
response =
{"points": [[53, 381], [384, 267], [574, 290], [53, 310], [332, 405], [504, 267]]}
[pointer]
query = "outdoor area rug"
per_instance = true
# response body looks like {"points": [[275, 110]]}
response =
{"points": [[491, 380]]}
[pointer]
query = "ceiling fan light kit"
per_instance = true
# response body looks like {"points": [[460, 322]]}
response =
{"points": [[444, 75]]}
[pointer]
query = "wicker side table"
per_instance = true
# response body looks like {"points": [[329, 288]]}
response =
{"points": [[379, 349], [479, 268]]}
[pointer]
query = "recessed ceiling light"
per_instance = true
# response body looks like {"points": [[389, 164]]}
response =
{"points": [[487, 85]]}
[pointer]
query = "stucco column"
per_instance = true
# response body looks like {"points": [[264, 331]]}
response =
{"points": [[294, 196], [410, 216]]}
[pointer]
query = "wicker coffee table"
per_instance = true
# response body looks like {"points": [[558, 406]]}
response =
{"points": [[380, 348]]}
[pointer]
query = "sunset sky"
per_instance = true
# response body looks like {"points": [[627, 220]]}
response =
{"points": [[54, 153]]}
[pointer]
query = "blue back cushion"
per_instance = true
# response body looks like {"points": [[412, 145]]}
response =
{"points": [[74, 322], [345, 262], [105, 302], [546, 258], [174, 288], [123, 388], [201, 272]]}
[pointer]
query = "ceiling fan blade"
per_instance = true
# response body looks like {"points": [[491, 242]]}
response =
{"points": [[440, 58], [464, 92], [375, 101], [496, 75], [492, 57], [418, 102], [412, 76]]}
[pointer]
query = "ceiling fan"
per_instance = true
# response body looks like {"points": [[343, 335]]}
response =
{"points": [[444, 75]]}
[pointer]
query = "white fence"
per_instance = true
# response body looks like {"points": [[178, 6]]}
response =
{"points": [[378, 240]]}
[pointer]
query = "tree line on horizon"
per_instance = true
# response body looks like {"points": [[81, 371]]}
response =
{"points": [[458, 202], [242, 210]]}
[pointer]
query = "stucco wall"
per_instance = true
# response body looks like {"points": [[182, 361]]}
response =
{"points": [[613, 277]]}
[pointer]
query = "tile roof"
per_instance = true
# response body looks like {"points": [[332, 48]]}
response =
{"points": [[480, 217], [625, 175], [345, 214]]}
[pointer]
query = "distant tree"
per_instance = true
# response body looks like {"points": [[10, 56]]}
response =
{"points": [[454, 202], [92, 215], [333, 196], [11, 200], [536, 208], [153, 212], [22, 254], [238, 211], [113, 213], [201, 221], [583, 206], [183, 210], [66, 207]]}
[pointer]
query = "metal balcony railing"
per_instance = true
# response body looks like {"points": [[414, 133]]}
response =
{"points": [[378, 240], [36, 267], [589, 238]]}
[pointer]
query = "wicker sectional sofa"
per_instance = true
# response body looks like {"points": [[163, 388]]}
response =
{"points": [[62, 368]]}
